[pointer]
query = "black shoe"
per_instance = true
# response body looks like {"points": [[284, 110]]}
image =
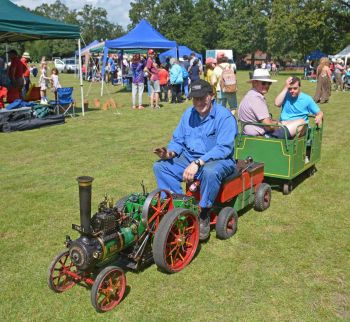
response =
{"points": [[204, 228]]}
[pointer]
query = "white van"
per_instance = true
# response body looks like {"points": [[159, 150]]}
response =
{"points": [[60, 65]]}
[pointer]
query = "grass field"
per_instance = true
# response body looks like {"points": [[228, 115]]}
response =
{"points": [[289, 263]]}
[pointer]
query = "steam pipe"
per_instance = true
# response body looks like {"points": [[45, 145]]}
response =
{"points": [[85, 185]]}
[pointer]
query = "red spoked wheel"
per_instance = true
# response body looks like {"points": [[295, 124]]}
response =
{"points": [[176, 240], [59, 279], [155, 207], [226, 224], [108, 289]]}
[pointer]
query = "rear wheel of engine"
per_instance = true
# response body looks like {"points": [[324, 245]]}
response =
{"points": [[176, 240]]}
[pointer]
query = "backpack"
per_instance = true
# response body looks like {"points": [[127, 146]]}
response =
{"points": [[228, 81], [185, 73]]}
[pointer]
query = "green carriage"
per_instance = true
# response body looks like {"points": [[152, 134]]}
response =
{"points": [[284, 159]]}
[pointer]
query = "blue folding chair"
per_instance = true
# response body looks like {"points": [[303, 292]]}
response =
{"points": [[65, 102]]}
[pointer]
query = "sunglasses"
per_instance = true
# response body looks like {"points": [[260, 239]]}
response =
{"points": [[266, 83]]}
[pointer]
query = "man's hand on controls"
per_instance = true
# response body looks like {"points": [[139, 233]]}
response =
{"points": [[191, 170], [164, 153]]}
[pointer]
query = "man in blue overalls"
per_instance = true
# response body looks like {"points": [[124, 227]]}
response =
{"points": [[201, 148]]}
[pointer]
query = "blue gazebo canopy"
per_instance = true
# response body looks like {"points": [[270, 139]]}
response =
{"points": [[142, 36], [316, 54]]}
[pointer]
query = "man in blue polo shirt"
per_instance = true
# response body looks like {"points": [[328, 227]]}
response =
{"points": [[201, 148], [296, 106]]}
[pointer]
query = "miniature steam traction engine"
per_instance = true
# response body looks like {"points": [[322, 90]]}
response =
{"points": [[143, 228]]}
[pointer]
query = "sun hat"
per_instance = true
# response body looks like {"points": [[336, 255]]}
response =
{"points": [[200, 88], [26, 55], [262, 75]]}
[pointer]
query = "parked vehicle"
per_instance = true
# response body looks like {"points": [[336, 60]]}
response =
{"points": [[66, 65]]}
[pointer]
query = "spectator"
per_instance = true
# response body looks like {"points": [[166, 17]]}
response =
{"points": [[26, 75], [15, 72], [193, 58], [163, 82], [43, 82], [176, 80], [152, 70], [338, 73], [186, 65], [324, 77], [111, 68], [137, 66], [195, 71], [222, 97], [55, 83], [209, 68]]}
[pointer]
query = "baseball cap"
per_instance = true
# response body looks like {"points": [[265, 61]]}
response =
{"points": [[200, 88]]}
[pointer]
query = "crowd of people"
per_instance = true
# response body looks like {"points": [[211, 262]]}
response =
{"points": [[15, 80]]}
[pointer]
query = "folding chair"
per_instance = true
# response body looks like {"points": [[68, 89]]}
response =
{"points": [[65, 102]]}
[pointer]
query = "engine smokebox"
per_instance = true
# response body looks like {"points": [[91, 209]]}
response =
{"points": [[85, 185]]}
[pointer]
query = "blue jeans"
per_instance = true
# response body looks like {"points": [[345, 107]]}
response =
{"points": [[224, 98], [169, 176]]}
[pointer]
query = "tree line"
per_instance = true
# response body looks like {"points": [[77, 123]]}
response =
{"points": [[283, 28]]}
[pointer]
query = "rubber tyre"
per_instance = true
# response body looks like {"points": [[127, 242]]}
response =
{"points": [[262, 197], [226, 223], [176, 240], [287, 188], [56, 266], [102, 286]]}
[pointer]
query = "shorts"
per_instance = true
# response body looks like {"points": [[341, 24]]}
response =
{"points": [[155, 87], [280, 133]]}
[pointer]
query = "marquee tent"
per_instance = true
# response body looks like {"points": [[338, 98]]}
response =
{"points": [[183, 50], [87, 48], [345, 53], [17, 25], [142, 36]]}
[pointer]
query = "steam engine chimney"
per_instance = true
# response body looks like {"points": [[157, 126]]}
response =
{"points": [[85, 185]]}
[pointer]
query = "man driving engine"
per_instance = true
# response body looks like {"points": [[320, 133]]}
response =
{"points": [[201, 148]]}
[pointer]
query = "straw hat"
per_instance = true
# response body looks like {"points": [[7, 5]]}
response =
{"points": [[26, 55], [262, 75]]}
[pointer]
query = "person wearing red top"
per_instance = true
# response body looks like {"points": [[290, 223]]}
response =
{"points": [[163, 82], [3, 94], [15, 72], [25, 59], [152, 71]]}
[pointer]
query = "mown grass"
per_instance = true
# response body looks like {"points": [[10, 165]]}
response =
{"points": [[289, 263]]}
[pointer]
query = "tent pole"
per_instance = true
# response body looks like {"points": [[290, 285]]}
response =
{"points": [[81, 79]]}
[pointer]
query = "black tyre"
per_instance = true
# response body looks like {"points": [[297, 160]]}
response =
{"points": [[108, 289], [176, 240], [226, 223], [262, 197], [287, 188]]}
